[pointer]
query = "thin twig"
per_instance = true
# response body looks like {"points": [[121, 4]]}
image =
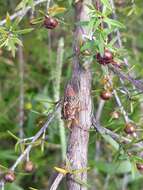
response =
{"points": [[2, 185], [57, 86], [137, 83], [121, 107], [21, 97], [119, 41], [37, 135], [48, 4], [115, 136], [21, 13], [99, 110], [125, 182], [119, 103], [57, 181]]}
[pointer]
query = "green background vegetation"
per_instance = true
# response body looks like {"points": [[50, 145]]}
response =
{"points": [[109, 170]]}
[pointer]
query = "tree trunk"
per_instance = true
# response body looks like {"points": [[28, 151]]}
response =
{"points": [[81, 79]]}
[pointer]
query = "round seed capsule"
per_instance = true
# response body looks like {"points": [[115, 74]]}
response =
{"points": [[9, 177]]}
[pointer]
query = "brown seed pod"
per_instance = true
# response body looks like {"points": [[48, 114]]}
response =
{"points": [[29, 166], [106, 58], [115, 115], [130, 128], [139, 166], [9, 177], [50, 23], [106, 95], [108, 55]]}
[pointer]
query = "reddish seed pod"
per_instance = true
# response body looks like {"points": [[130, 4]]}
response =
{"points": [[139, 166], [29, 166], [130, 128], [9, 177], [108, 55], [106, 95], [50, 23], [106, 58], [100, 59]]}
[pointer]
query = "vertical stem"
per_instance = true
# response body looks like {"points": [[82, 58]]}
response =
{"points": [[99, 110], [81, 78], [57, 82], [21, 96], [119, 41]]}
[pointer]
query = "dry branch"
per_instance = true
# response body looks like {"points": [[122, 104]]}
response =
{"points": [[21, 13], [115, 136], [137, 83], [34, 138], [38, 134], [57, 181]]}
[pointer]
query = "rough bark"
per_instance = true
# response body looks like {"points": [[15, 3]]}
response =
{"points": [[81, 80]]}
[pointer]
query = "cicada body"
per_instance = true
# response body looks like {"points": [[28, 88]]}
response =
{"points": [[71, 105]]}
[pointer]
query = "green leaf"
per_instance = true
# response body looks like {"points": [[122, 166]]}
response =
{"points": [[81, 182], [113, 41], [3, 43], [17, 41], [133, 170], [101, 44], [86, 45], [12, 135], [24, 31], [131, 12], [13, 186], [37, 21], [31, 4], [97, 23], [25, 3], [56, 10], [114, 23], [111, 141], [114, 168], [3, 30], [32, 188], [107, 4], [16, 146], [7, 155], [91, 7], [20, 6], [82, 23], [8, 21]]}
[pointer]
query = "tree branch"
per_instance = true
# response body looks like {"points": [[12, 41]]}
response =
{"points": [[57, 181], [115, 136], [21, 13], [56, 89], [137, 83], [34, 138], [81, 80], [119, 41], [21, 96]]}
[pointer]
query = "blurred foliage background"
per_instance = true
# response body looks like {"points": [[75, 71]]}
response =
{"points": [[40, 73]]}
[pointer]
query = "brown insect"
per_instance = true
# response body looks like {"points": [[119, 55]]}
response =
{"points": [[71, 106]]}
